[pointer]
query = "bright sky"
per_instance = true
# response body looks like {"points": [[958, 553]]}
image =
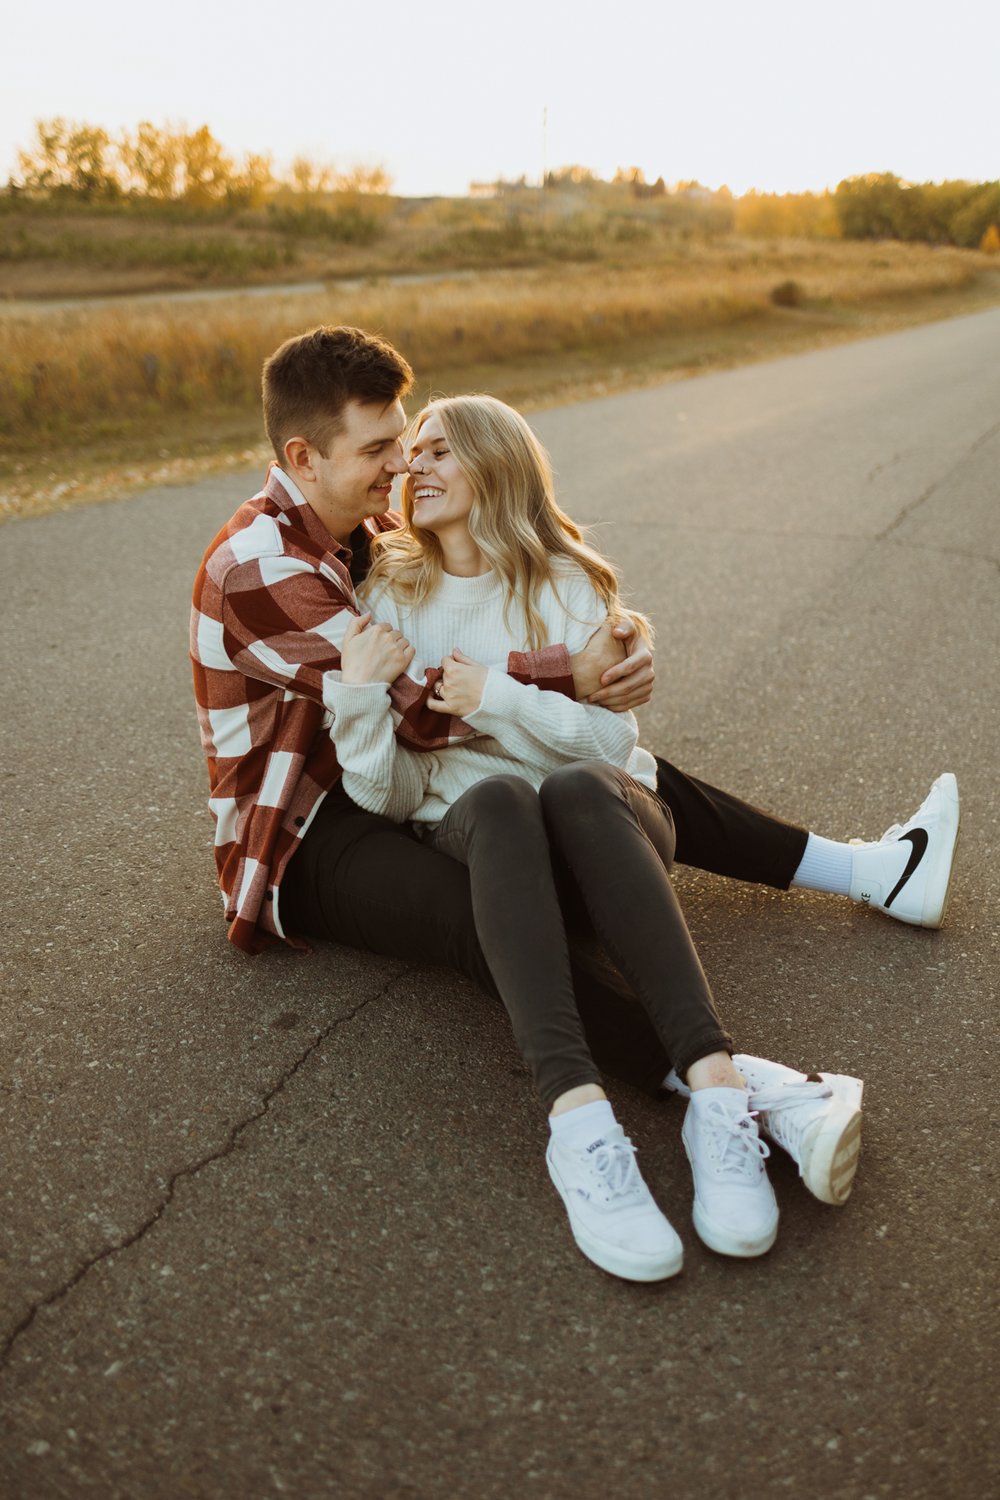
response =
{"points": [[781, 94]]}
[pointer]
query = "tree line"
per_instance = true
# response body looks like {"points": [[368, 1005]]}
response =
{"points": [[161, 164], [881, 206], [875, 206], [85, 163]]}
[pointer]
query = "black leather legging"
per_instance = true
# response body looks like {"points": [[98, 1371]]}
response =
{"points": [[592, 839]]}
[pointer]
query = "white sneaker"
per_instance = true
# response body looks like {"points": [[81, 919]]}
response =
{"points": [[816, 1118], [907, 873], [611, 1210], [735, 1211]]}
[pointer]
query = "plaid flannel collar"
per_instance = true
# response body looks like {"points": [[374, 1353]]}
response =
{"points": [[286, 497]]}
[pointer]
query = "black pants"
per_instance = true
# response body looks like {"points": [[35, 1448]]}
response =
{"points": [[364, 881], [608, 843]]}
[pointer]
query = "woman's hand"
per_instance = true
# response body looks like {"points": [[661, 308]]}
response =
{"points": [[459, 690], [373, 653]]}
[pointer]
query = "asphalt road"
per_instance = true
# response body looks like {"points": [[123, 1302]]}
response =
{"points": [[282, 1226]]}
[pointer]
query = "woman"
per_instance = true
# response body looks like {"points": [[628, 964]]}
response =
{"points": [[552, 807]]}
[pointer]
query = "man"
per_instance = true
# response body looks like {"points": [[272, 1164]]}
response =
{"points": [[295, 857]]}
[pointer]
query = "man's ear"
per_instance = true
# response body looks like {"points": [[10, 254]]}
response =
{"points": [[298, 455]]}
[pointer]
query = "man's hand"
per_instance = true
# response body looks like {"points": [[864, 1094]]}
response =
{"points": [[613, 670], [372, 653], [459, 690]]}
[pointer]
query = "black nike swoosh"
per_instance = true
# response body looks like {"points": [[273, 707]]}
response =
{"points": [[918, 838]]}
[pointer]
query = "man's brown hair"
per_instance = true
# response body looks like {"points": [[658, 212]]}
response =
{"points": [[308, 381]]}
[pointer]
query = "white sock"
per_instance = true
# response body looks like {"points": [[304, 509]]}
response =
{"points": [[825, 866], [580, 1127]]}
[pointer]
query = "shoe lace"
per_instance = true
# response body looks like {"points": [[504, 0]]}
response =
{"points": [[783, 1103], [739, 1150], [613, 1166]]}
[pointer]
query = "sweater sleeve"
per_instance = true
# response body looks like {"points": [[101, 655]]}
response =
{"points": [[380, 774], [547, 730]]}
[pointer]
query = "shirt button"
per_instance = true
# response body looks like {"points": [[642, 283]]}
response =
{"points": [[299, 822]]}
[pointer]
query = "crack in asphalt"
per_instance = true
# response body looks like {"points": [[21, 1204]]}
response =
{"points": [[970, 556], [913, 505], [925, 495], [880, 468], [191, 1170]]}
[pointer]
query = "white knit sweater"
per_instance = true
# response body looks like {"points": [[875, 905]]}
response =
{"points": [[521, 729]]}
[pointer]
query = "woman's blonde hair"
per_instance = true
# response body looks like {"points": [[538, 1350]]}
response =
{"points": [[515, 521]]}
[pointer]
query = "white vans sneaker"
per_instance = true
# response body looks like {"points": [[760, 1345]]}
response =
{"points": [[815, 1117], [611, 1210], [735, 1211], [907, 874]]}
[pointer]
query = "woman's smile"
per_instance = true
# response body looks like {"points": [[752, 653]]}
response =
{"points": [[438, 506]]}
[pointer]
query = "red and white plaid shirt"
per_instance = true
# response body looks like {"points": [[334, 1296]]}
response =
{"points": [[265, 640]]}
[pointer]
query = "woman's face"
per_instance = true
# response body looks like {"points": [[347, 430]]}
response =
{"points": [[442, 495]]}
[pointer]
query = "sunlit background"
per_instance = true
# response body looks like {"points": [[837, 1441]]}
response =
{"points": [[781, 95]]}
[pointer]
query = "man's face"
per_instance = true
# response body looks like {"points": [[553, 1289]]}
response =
{"points": [[354, 480]]}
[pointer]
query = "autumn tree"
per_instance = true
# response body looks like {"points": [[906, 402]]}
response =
{"points": [[927, 211], [152, 160], [979, 213], [361, 179], [943, 213], [310, 178], [70, 158], [775, 215], [251, 182], [869, 207], [206, 170], [572, 176]]}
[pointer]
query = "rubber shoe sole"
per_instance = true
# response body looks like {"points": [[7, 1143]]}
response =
{"points": [[830, 1151], [722, 1240], [935, 903], [629, 1265]]}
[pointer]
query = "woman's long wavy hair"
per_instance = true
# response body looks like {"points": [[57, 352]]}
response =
{"points": [[515, 521]]}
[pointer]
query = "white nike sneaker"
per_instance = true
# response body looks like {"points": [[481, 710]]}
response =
{"points": [[815, 1117], [735, 1211], [907, 874], [614, 1219]]}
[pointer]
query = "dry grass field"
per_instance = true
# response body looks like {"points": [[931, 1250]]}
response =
{"points": [[94, 400]]}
